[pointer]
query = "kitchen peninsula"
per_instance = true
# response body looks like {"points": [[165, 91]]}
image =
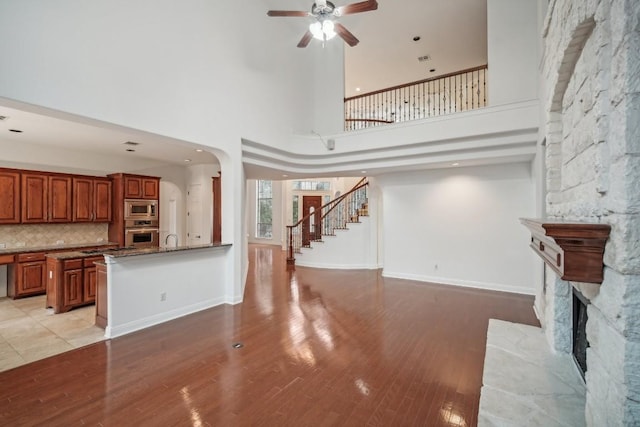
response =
{"points": [[141, 287]]}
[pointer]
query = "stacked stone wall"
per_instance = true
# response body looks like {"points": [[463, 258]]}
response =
{"points": [[592, 66]]}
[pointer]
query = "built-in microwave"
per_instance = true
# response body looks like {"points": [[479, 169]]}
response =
{"points": [[140, 209]]}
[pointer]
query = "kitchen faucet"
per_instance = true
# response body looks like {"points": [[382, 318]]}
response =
{"points": [[166, 239]]}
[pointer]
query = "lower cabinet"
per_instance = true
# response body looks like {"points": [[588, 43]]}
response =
{"points": [[27, 276], [71, 282]]}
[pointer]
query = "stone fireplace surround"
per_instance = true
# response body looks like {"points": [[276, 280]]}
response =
{"points": [[591, 66], [590, 78]]}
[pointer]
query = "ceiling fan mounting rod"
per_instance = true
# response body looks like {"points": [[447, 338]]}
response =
{"points": [[322, 9]]}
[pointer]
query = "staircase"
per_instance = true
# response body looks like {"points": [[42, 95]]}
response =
{"points": [[335, 215]]}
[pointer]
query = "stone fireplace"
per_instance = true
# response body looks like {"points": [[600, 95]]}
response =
{"points": [[591, 70]]}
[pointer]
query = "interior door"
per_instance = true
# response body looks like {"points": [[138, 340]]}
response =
{"points": [[194, 215], [311, 229]]}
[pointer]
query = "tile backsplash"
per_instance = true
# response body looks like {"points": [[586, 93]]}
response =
{"points": [[51, 234]]}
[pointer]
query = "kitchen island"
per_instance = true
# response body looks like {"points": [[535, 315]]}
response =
{"points": [[138, 288]]}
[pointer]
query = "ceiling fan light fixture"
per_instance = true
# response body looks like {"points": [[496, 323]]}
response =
{"points": [[324, 30]]}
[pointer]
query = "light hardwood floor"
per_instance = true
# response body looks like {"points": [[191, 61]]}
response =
{"points": [[320, 347]]}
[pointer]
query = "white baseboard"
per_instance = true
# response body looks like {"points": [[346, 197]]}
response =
{"points": [[337, 266], [458, 282]]}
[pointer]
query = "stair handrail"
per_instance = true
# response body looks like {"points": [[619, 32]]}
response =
{"points": [[290, 245]]}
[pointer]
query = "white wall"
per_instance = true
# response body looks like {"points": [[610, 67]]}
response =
{"points": [[512, 46], [190, 70], [460, 226]]}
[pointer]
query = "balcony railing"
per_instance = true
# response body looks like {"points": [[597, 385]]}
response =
{"points": [[460, 91]]}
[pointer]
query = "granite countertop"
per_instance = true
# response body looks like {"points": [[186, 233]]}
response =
{"points": [[146, 251], [126, 252], [63, 247]]}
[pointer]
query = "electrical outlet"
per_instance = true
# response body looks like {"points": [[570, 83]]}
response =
{"points": [[20, 245], [59, 242], [163, 296], [3, 245]]}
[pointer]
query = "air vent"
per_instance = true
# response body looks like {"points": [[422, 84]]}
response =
{"points": [[424, 58], [131, 143], [2, 118]]}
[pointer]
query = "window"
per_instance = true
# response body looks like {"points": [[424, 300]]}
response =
{"points": [[295, 208], [264, 222], [312, 185]]}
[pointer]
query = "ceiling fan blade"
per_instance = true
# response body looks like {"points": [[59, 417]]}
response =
{"points": [[363, 6], [346, 34], [304, 41], [288, 13]]}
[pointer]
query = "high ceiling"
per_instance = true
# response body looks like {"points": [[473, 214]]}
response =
{"points": [[452, 33]]}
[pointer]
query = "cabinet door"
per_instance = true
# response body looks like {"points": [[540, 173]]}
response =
{"points": [[150, 188], [34, 198], [82, 199], [72, 287], [90, 284], [102, 200], [132, 187], [59, 199], [9, 197], [31, 277]]}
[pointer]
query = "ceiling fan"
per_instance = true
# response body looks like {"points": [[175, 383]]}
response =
{"points": [[324, 25]]}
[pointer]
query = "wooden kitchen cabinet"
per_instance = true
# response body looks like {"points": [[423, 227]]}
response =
{"points": [[35, 203], [91, 199], [141, 187], [71, 282], [46, 198], [27, 276], [90, 279], [60, 198], [9, 196]]}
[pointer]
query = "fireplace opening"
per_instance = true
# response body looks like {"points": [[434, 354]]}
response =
{"points": [[580, 343]]}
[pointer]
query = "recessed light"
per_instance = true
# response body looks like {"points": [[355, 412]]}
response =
{"points": [[131, 143], [131, 150], [199, 150], [15, 130], [433, 70], [187, 160], [416, 38], [455, 164]]}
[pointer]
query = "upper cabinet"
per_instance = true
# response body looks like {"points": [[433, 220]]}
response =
{"points": [[32, 197], [60, 198], [46, 198], [141, 187], [91, 199], [9, 197]]}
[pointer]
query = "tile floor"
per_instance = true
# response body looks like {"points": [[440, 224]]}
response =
{"points": [[525, 384], [29, 331]]}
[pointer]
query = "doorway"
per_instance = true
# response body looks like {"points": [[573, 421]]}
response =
{"points": [[194, 215], [311, 229]]}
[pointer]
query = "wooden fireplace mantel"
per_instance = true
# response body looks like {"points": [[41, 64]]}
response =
{"points": [[574, 250]]}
